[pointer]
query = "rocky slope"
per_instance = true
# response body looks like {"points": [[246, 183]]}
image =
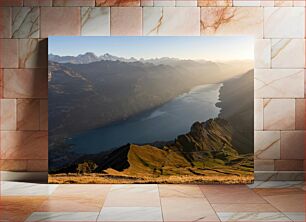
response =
{"points": [[109, 91], [208, 145], [235, 135], [237, 107]]}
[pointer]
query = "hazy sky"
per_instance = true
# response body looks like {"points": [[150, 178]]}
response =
{"points": [[209, 48]]}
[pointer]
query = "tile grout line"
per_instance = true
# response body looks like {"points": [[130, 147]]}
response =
{"points": [[104, 201], [161, 209], [267, 202], [278, 210], [209, 202]]}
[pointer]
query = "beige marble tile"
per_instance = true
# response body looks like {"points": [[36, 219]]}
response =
{"points": [[163, 3], [284, 50], [267, 145], [278, 22], [25, 22], [279, 83], [295, 216], [52, 16], [299, 3], [262, 51], [5, 22], [187, 209], [122, 26], [258, 116], [232, 21], [23, 144], [279, 175], [37, 165], [305, 83], [26, 189], [220, 3], [279, 114], [28, 114], [71, 204], [8, 53], [263, 165], [25, 83], [95, 21], [253, 216], [179, 191], [266, 3], [63, 216], [37, 2], [33, 53], [292, 144], [43, 114], [276, 184], [8, 114], [246, 3], [1, 83], [263, 207], [230, 194], [146, 2], [90, 191], [171, 21], [282, 192], [289, 165], [186, 3], [130, 214], [133, 196], [280, 3], [300, 114], [18, 208], [5, 3], [73, 2]]}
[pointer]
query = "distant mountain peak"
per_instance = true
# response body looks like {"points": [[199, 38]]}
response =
{"points": [[89, 57], [88, 54]]}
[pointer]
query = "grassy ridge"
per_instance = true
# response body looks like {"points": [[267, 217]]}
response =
{"points": [[204, 155], [117, 179]]}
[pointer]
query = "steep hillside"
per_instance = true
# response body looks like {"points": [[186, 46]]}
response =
{"points": [[109, 91], [208, 146], [237, 107]]}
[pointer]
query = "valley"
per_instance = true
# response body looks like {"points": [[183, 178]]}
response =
{"points": [[181, 132]]}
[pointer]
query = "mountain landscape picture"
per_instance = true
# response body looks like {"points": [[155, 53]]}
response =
{"points": [[151, 110]]}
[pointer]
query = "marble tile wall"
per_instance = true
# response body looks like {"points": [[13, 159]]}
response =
{"points": [[277, 25]]}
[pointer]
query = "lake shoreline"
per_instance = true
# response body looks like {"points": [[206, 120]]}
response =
{"points": [[237, 106], [198, 104]]}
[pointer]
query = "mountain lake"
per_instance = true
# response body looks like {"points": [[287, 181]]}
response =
{"points": [[164, 123]]}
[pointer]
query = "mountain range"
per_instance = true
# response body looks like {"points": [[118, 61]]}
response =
{"points": [[86, 58], [90, 57]]}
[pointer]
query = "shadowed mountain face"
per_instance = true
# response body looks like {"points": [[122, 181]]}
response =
{"points": [[109, 91], [237, 106]]}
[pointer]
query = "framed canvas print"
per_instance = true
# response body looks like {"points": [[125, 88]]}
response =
{"points": [[151, 109]]}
